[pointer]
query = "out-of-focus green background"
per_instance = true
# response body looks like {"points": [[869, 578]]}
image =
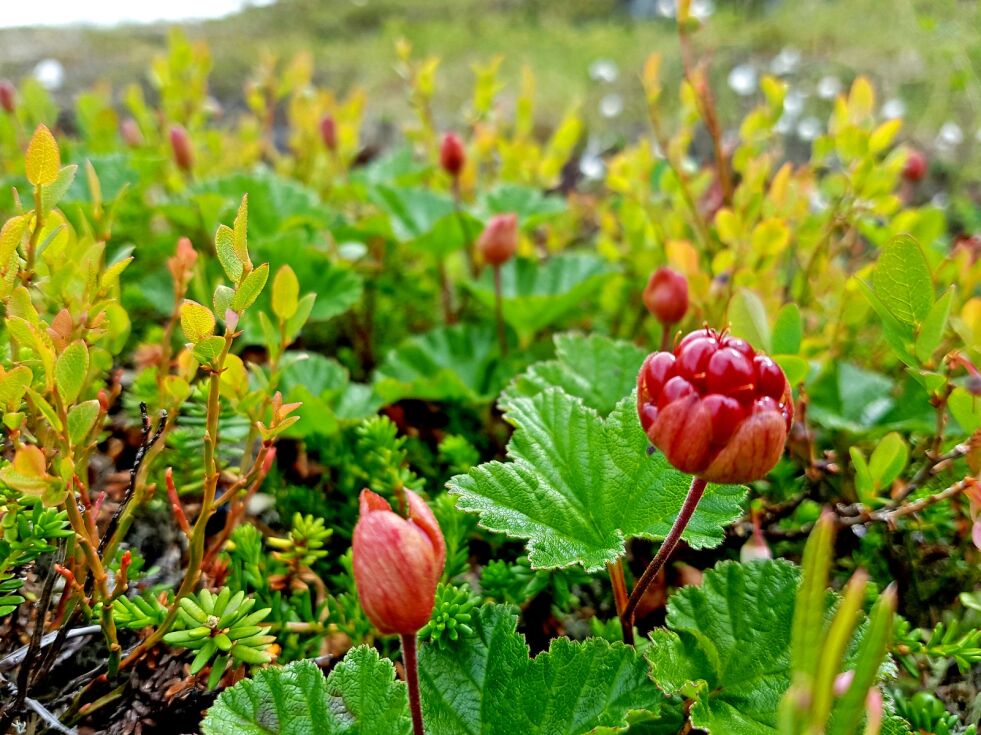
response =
{"points": [[924, 56]]}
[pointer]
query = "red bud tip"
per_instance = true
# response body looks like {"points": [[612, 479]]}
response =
{"points": [[180, 143], [452, 155], [130, 131], [8, 96], [916, 166], [715, 408], [328, 132], [499, 240], [666, 295], [397, 563]]}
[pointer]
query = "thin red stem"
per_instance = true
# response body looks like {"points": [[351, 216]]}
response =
{"points": [[620, 598], [411, 663], [670, 542]]}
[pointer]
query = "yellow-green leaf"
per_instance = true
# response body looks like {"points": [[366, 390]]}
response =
{"points": [[28, 472], [241, 226], [70, 371], [902, 281], [52, 194], [225, 247], [13, 385], [10, 237], [883, 136], [81, 420], [251, 287], [285, 293], [770, 237], [197, 321], [43, 159]]}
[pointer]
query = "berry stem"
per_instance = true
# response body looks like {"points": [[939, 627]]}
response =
{"points": [[620, 598], [670, 542], [499, 311], [411, 663], [665, 336]]}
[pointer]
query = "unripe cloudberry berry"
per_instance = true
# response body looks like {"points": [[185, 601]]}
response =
{"points": [[499, 241], [916, 166], [715, 408], [8, 96], [452, 155], [328, 132], [666, 295], [180, 144], [397, 563], [130, 131]]}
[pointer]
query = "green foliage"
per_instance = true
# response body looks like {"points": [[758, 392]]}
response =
{"points": [[577, 487], [946, 641], [222, 627], [29, 531], [136, 613], [451, 615], [571, 688], [819, 645], [596, 369], [727, 646], [926, 713], [537, 295], [458, 363], [305, 543], [359, 697]]}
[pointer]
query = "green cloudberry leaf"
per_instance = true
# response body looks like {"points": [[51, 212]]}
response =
{"points": [[902, 281], [491, 687], [727, 646], [360, 697], [461, 363], [536, 295], [577, 486], [597, 369]]}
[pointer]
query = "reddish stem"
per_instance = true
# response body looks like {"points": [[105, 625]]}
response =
{"points": [[411, 663], [670, 542], [620, 598]]}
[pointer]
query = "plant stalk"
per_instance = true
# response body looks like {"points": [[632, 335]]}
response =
{"points": [[411, 662], [620, 598], [670, 542], [499, 311]]}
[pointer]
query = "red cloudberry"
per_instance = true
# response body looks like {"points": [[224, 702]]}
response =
{"points": [[716, 408]]}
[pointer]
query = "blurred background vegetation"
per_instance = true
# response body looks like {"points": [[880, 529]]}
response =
{"points": [[923, 55]]}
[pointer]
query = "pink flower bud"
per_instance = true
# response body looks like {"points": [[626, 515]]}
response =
{"points": [[756, 548], [715, 408], [130, 131], [666, 295], [180, 143], [842, 682], [873, 711], [452, 155], [397, 563], [8, 96], [916, 166], [499, 240], [328, 132]]}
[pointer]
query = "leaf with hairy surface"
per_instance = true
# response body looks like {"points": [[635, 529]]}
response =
{"points": [[577, 486]]}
